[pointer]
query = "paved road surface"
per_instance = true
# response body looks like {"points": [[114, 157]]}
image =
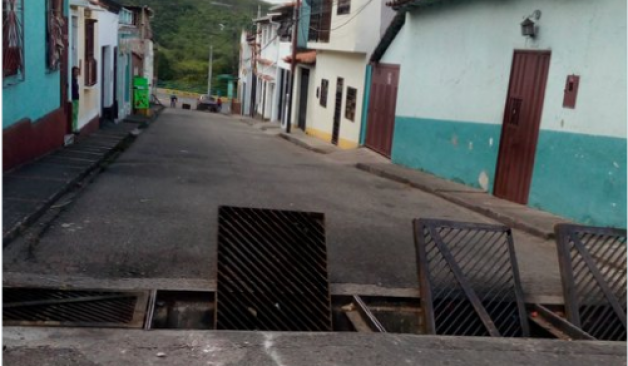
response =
{"points": [[153, 213]]}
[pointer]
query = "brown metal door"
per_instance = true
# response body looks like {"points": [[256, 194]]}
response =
{"points": [[520, 128], [382, 104]]}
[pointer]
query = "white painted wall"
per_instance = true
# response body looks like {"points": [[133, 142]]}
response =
{"points": [[245, 74], [311, 94], [89, 102], [107, 36], [285, 50], [331, 65], [149, 60], [358, 31], [467, 46]]}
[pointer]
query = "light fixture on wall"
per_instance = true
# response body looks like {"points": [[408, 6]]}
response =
{"points": [[528, 27]]}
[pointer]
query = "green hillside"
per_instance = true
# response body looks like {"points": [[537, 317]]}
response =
{"points": [[183, 31]]}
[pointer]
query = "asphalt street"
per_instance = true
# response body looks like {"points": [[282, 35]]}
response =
{"points": [[153, 213]]}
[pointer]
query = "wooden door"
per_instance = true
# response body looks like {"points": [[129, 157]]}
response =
{"points": [[521, 123], [381, 110], [335, 132]]}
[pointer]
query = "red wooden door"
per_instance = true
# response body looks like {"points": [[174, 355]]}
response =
{"points": [[382, 104], [520, 128]]}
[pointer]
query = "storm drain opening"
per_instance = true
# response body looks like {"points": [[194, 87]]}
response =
{"points": [[376, 314], [181, 310], [469, 279], [593, 271], [72, 308], [272, 271]]}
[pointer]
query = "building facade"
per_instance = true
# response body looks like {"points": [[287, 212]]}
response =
{"points": [[533, 113], [344, 34], [34, 113]]}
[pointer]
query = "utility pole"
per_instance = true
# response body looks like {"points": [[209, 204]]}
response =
{"points": [[293, 64], [209, 71]]}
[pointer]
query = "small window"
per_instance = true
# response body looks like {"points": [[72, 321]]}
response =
{"points": [[352, 95], [91, 68], [324, 87], [13, 39], [54, 34], [344, 7]]}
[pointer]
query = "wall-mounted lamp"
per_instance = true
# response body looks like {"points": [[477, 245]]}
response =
{"points": [[528, 27]]}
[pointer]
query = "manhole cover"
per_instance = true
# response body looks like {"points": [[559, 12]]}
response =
{"points": [[272, 271]]}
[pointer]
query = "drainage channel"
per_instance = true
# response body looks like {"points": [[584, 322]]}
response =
{"points": [[272, 276], [196, 310]]}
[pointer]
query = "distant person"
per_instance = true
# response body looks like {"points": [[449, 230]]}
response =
{"points": [[173, 101], [219, 103], [75, 99]]}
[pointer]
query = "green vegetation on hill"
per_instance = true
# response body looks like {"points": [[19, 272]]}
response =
{"points": [[184, 30]]}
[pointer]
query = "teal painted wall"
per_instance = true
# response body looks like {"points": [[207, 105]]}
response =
{"points": [[458, 151], [304, 24], [39, 93], [580, 177], [365, 103]]}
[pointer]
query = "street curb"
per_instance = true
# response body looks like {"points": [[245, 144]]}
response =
{"points": [[21, 226], [504, 219], [302, 144]]}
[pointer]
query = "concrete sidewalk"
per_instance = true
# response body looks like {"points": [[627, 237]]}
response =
{"points": [[514, 215], [50, 346], [30, 190]]}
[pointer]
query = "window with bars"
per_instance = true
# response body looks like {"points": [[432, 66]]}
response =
{"points": [[54, 34], [13, 39], [352, 96], [320, 21], [344, 7], [91, 68], [324, 89]]}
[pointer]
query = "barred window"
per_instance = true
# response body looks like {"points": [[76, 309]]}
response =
{"points": [[344, 7], [324, 88], [13, 39], [352, 94], [54, 34], [320, 21]]}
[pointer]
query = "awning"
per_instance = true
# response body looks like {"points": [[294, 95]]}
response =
{"points": [[306, 57]]}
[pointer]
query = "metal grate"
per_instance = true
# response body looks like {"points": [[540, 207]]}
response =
{"points": [[469, 280], [593, 270], [52, 307], [272, 271]]}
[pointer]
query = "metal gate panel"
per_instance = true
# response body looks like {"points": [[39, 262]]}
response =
{"points": [[469, 280], [73, 308], [272, 271], [593, 270]]}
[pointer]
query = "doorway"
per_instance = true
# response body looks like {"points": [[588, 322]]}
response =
{"points": [[305, 82], [337, 107], [381, 110], [521, 124]]}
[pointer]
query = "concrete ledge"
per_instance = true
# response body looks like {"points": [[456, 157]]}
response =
{"points": [[66, 346], [517, 216], [306, 142]]}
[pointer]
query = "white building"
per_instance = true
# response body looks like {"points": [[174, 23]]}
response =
{"points": [[343, 33], [85, 54], [245, 72], [534, 114], [273, 45], [108, 45]]}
